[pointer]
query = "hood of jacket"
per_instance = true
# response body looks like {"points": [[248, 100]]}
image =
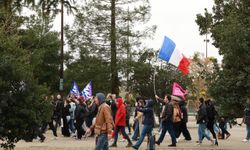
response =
{"points": [[119, 102], [149, 103]]}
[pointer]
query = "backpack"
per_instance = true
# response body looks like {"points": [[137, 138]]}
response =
{"points": [[176, 114]]}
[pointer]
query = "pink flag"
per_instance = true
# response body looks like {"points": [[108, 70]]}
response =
{"points": [[178, 91]]}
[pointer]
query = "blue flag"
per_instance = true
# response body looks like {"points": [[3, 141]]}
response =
{"points": [[74, 89], [87, 91]]}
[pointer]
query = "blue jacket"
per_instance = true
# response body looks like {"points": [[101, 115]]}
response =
{"points": [[148, 113]]}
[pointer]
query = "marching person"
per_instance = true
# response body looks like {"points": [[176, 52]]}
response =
{"points": [[202, 122], [167, 120], [103, 124], [148, 122], [246, 120], [120, 122]]}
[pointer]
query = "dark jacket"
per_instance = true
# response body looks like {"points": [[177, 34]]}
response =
{"points": [[148, 113], [81, 112], [202, 114], [184, 111], [168, 112], [211, 112]]}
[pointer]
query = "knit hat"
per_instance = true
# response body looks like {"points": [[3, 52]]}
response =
{"points": [[100, 97]]}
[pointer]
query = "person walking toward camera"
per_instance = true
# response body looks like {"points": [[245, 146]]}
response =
{"points": [[103, 124]]}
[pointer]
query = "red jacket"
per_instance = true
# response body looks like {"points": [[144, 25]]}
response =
{"points": [[120, 117]]}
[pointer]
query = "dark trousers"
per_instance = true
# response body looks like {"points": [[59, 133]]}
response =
{"points": [[122, 129], [128, 125], [223, 132], [65, 128], [177, 128], [80, 131], [167, 126], [53, 126], [210, 127], [183, 129]]}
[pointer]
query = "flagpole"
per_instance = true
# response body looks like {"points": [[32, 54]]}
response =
{"points": [[155, 72]]}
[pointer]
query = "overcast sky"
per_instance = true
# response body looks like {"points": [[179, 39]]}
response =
{"points": [[176, 19]]}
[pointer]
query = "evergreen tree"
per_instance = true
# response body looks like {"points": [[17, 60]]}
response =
{"points": [[22, 105], [101, 29], [230, 32]]}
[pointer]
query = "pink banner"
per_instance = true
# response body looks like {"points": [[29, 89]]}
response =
{"points": [[178, 91]]}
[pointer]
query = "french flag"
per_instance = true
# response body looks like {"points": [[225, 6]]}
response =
{"points": [[169, 53]]}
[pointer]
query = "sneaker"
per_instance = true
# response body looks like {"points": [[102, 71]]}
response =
{"points": [[172, 145], [212, 142], [178, 139], [122, 140], [113, 145], [245, 140]]}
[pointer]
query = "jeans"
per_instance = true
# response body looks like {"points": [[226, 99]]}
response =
{"points": [[102, 142], [167, 126], [72, 126], [202, 133], [137, 129], [122, 129], [147, 129], [248, 132]]}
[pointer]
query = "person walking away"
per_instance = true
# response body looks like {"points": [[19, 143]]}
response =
{"points": [[222, 125], [246, 120], [176, 116], [202, 122], [184, 120], [80, 115], [120, 122], [148, 122], [103, 124], [211, 113], [66, 118], [167, 120], [72, 115]]}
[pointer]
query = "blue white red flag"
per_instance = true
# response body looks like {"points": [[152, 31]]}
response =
{"points": [[87, 91], [171, 54]]}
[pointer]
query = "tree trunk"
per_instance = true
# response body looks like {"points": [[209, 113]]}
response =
{"points": [[114, 72]]}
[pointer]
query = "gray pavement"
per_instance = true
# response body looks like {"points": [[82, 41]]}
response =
{"points": [[234, 142]]}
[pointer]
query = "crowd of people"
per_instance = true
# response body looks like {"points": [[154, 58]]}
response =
{"points": [[107, 116]]}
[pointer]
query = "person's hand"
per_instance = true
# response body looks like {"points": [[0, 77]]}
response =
{"points": [[109, 136], [157, 97], [88, 132]]}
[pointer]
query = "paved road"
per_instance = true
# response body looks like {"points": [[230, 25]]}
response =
{"points": [[232, 143]]}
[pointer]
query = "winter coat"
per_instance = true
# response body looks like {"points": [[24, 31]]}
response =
{"points": [[167, 113], [148, 113], [120, 118], [104, 121], [81, 112], [202, 114], [184, 111]]}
